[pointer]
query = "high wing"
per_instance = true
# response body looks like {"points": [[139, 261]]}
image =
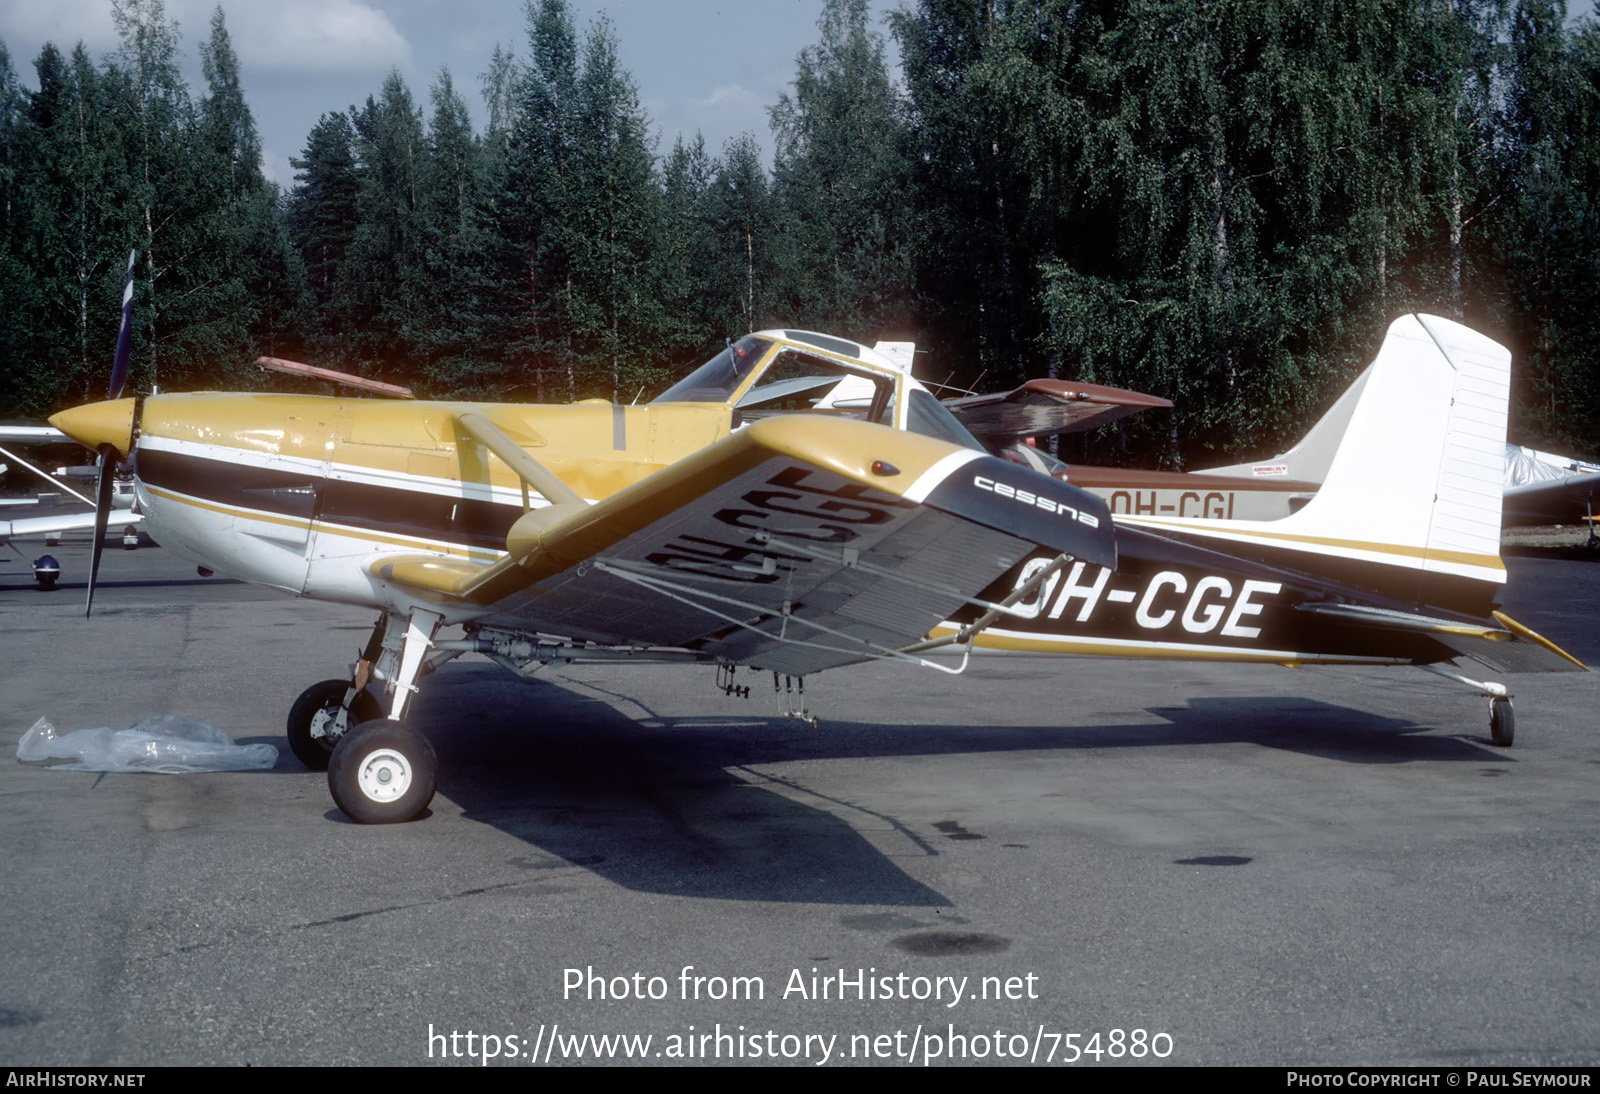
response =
{"points": [[1040, 408], [797, 544]]}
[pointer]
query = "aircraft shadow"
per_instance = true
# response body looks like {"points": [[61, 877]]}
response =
{"points": [[676, 805], [650, 807]]}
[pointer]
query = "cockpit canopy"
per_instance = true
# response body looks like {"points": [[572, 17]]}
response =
{"points": [[798, 372]]}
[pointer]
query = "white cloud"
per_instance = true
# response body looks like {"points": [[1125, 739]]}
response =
{"points": [[64, 22], [315, 36], [728, 97]]}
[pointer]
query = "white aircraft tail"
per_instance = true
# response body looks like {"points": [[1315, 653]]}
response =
{"points": [[1309, 460], [1422, 462], [1415, 479]]}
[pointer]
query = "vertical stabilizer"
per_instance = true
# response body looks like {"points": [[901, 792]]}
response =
{"points": [[1421, 463], [1415, 482], [1309, 460]]}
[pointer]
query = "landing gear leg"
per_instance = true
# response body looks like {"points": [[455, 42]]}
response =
{"points": [[1502, 721], [327, 710], [384, 772]]}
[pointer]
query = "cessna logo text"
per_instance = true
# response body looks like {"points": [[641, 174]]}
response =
{"points": [[1027, 497]]}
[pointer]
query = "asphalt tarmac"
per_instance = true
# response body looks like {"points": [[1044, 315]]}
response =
{"points": [[1134, 862]]}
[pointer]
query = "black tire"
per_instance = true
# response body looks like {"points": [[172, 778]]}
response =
{"points": [[316, 704], [1502, 723], [383, 772]]}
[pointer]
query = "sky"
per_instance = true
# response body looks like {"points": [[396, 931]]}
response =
{"points": [[712, 66]]}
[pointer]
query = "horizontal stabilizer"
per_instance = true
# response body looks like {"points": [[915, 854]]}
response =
{"points": [[1509, 647]]}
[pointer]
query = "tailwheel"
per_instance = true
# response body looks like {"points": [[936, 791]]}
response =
{"points": [[314, 724], [383, 772], [1502, 722]]}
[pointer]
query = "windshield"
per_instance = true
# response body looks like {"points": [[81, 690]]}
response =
{"points": [[715, 381], [927, 415], [797, 381]]}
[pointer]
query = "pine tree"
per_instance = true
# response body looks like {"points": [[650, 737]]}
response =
{"points": [[985, 157], [386, 247], [686, 248], [68, 233], [444, 323], [611, 209], [321, 216], [1549, 228], [149, 89], [524, 273], [744, 224], [839, 173]]}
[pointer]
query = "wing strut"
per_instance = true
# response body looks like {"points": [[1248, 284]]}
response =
{"points": [[528, 469], [58, 485], [987, 619]]}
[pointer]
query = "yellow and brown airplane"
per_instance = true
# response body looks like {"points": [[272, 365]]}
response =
{"points": [[688, 529], [797, 503]]}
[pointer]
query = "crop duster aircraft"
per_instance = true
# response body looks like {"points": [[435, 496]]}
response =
{"points": [[797, 503]]}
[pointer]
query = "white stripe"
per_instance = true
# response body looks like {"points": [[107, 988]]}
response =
{"points": [[933, 476], [367, 476]]}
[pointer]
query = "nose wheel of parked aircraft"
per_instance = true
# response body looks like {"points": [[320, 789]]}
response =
{"points": [[317, 720], [383, 772]]}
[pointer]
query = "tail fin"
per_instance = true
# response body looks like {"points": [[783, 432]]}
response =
{"points": [[1421, 465], [1414, 485], [1309, 460]]}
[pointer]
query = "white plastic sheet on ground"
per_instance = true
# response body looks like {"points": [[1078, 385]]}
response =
{"points": [[167, 743]]}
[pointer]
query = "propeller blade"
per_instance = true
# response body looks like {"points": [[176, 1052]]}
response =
{"points": [[102, 516], [119, 366]]}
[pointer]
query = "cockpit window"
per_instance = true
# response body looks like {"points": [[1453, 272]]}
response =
{"points": [[1029, 456], [927, 415], [800, 382], [717, 379]]}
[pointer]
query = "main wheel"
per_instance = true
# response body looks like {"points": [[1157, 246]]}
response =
{"points": [[1502, 722], [383, 772], [311, 720]]}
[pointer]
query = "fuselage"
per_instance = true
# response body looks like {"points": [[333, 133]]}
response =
{"points": [[300, 492]]}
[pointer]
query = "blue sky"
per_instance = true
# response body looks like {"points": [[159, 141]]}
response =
{"points": [[707, 65]]}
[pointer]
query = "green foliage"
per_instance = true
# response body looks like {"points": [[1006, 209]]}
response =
{"points": [[838, 176], [1221, 201]]}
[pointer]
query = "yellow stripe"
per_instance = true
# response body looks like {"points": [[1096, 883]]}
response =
{"points": [[1089, 648], [1463, 558]]}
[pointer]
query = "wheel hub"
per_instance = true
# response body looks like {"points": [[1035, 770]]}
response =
{"points": [[385, 775], [325, 725]]}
